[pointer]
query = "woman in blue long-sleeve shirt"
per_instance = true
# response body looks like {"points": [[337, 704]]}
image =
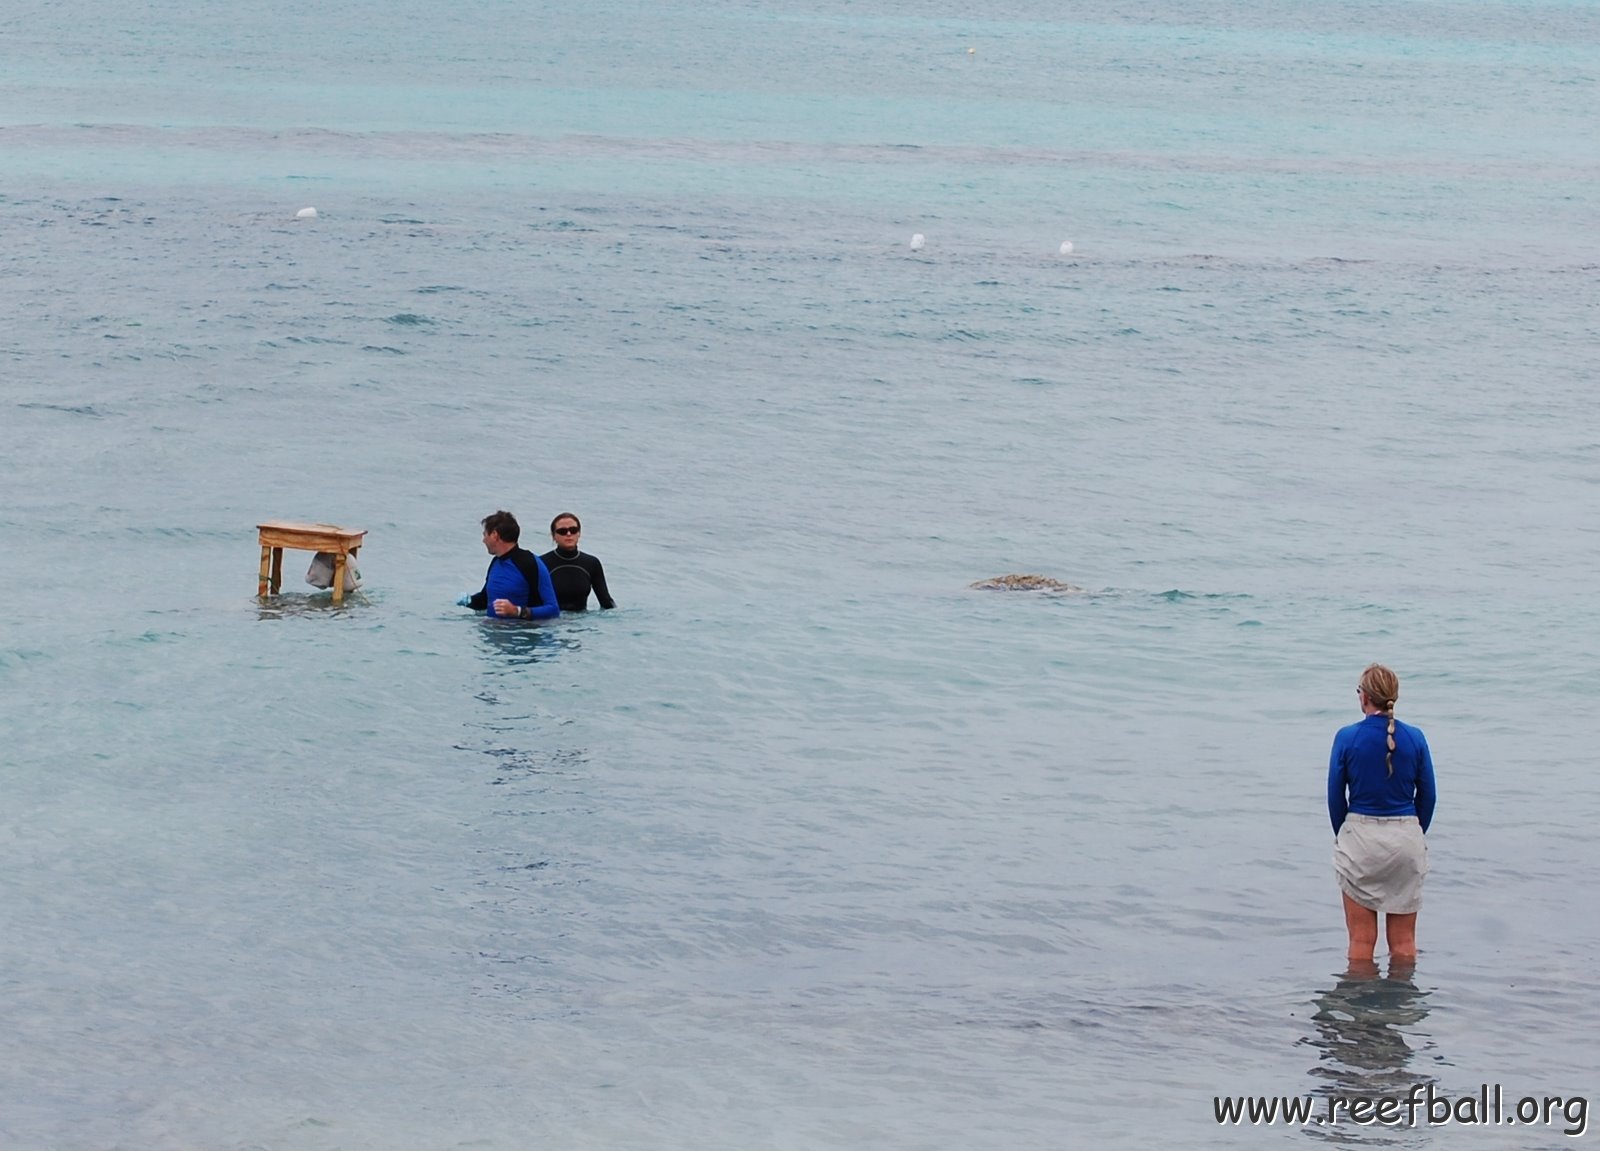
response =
{"points": [[1380, 799]]}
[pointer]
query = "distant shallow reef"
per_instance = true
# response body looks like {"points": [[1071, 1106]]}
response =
{"points": [[1025, 583]]}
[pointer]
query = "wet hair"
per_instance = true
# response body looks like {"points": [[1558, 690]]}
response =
{"points": [[565, 516], [1382, 687], [504, 525]]}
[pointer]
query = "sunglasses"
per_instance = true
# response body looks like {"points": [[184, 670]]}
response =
{"points": [[567, 531]]}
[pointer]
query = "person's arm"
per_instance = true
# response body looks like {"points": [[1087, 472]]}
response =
{"points": [[1426, 795], [549, 609], [1338, 804], [539, 587], [597, 576], [479, 601]]}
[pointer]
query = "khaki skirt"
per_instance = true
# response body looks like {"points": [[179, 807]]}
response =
{"points": [[1381, 861]]}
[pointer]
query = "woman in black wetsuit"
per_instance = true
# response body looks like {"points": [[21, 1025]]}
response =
{"points": [[574, 573]]}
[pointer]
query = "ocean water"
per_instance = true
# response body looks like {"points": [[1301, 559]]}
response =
{"points": [[808, 844]]}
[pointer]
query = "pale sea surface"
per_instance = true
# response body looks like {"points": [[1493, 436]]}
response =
{"points": [[807, 845]]}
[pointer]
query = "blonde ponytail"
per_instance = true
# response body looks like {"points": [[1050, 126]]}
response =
{"points": [[1382, 687], [1388, 758]]}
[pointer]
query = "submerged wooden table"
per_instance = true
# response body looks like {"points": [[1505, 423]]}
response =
{"points": [[279, 534]]}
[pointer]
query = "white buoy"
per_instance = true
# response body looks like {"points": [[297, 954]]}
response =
{"points": [[306, 214], [917, 241], [1066, 247]]}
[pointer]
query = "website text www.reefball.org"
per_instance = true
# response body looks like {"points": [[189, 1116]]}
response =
{"points": [[1422, 1106]]}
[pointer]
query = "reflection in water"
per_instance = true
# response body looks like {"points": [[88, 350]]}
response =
{"points": [[517, 642], [1363, 1022], [287, 606], [534, 768]]}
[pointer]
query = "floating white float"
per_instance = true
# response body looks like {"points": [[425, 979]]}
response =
{"points": [[917, 241], [1066, 248], [306, 214]]}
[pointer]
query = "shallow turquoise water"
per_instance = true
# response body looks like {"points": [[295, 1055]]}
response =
{"points": [[807, 845]]}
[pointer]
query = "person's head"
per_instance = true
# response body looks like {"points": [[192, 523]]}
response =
{"points": [[1379, 688], [565, 530], [500, 532]]}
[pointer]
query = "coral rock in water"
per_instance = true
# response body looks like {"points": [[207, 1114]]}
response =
{"points": [[1024, 583]]}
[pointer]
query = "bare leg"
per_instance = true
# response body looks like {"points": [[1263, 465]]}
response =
{"points": [[1360, 969], [1402, 933], [1363, 927]]}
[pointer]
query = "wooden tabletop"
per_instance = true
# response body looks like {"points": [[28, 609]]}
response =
{"points": [[309, 537]]}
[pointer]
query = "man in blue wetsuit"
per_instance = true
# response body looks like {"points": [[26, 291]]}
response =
{"points": [[517, 585]]}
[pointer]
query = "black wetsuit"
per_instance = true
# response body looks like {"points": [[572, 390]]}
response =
{"points": [[574, 573]]}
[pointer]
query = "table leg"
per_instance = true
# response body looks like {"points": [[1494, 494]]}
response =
{"points": [[338, 577], [277, 569], [266, 569]]}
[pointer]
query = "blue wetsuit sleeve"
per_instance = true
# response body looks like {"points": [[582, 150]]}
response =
{"points": [[1338, 803], [537, 577], [548, 609], [1426, 795], [598, 578]]}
